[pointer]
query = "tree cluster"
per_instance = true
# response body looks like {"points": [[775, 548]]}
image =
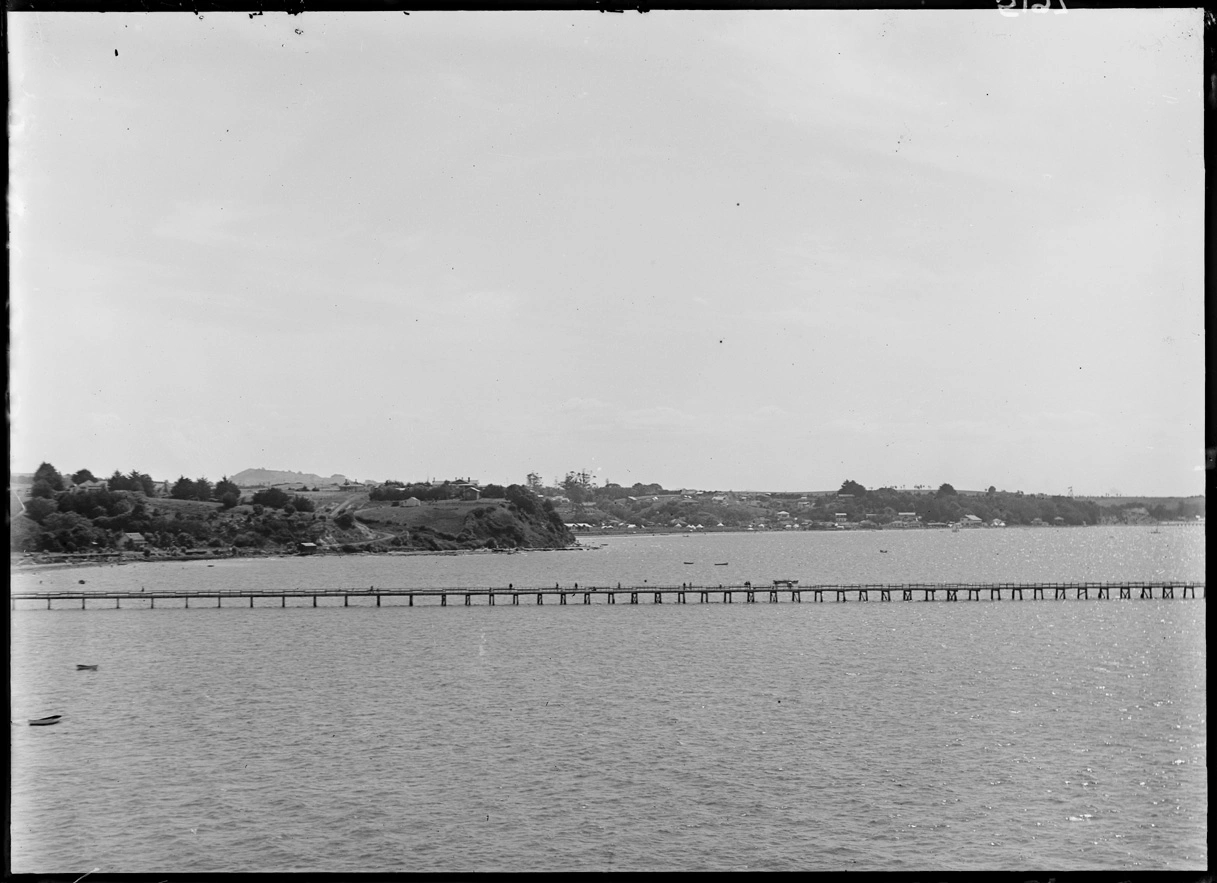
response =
{"points": [[224, 490], [421, 490], [276, 498], [133, 481]]}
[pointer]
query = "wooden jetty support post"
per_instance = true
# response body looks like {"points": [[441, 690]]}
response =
{"points": [[1060, 591]]}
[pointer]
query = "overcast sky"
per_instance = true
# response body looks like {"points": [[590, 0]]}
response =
{"points": [[723, 250]]}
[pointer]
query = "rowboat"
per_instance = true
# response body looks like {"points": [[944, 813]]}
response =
{"points": [[86, 668], [45, 721]]}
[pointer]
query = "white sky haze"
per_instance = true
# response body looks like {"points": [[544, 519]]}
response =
{"points": [[726, 250]]}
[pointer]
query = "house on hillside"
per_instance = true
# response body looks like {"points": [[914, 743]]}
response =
{"points": [[469, 492], [91, 485], [306, 548], [134, 541], [970, 521], [412, 502]]}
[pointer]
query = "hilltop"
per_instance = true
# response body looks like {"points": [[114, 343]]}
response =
{"points": [[270, 477]]}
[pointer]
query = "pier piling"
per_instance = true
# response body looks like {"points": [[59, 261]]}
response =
{"points": [[1018, 592]]}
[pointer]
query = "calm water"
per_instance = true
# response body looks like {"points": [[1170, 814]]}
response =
{"points": [[1053, 735]]}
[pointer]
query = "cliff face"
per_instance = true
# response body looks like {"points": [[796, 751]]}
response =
{"points": [[451, 524], [507, 526]]}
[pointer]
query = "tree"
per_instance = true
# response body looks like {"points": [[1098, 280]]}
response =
{"points": [[273, 497], [183, 489], [69, 532], [42, 489], [849, 486], [202, 489], [48, 473], [579, 487], [226, 486], [39, 508], [82, 475], [945, 490], [133, 481], [141, 481]]}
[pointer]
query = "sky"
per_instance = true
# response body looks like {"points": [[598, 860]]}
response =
{"points": [[766, 250]]}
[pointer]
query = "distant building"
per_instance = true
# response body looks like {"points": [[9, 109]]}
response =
{"points": [[134, 540], [970, 521], [841, 517], [306, 548]]}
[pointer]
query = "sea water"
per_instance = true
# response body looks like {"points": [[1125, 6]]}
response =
{"points": [[863, 736]]}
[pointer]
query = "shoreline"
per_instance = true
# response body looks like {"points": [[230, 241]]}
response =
{"points": [[30, 563], [33, 562]]}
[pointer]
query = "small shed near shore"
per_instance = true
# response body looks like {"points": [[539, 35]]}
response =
{"points": [[306, 548]]}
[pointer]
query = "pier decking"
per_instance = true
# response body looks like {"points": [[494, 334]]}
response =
{"points": [[789, 590]]}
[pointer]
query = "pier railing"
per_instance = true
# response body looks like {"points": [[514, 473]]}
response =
{"points": [[779, 590]]}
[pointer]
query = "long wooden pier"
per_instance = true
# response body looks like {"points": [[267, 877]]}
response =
{"points": [[747, 593]]}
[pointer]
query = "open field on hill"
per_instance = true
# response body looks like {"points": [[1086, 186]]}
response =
{"points": [[171, 506], [445, 516]]}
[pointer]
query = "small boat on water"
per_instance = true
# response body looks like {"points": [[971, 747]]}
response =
{"points": [[688, 562], [721, 563], [45, 721], [86, 668]]}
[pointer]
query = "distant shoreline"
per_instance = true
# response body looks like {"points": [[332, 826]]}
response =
{"points": [[32, 562]]}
